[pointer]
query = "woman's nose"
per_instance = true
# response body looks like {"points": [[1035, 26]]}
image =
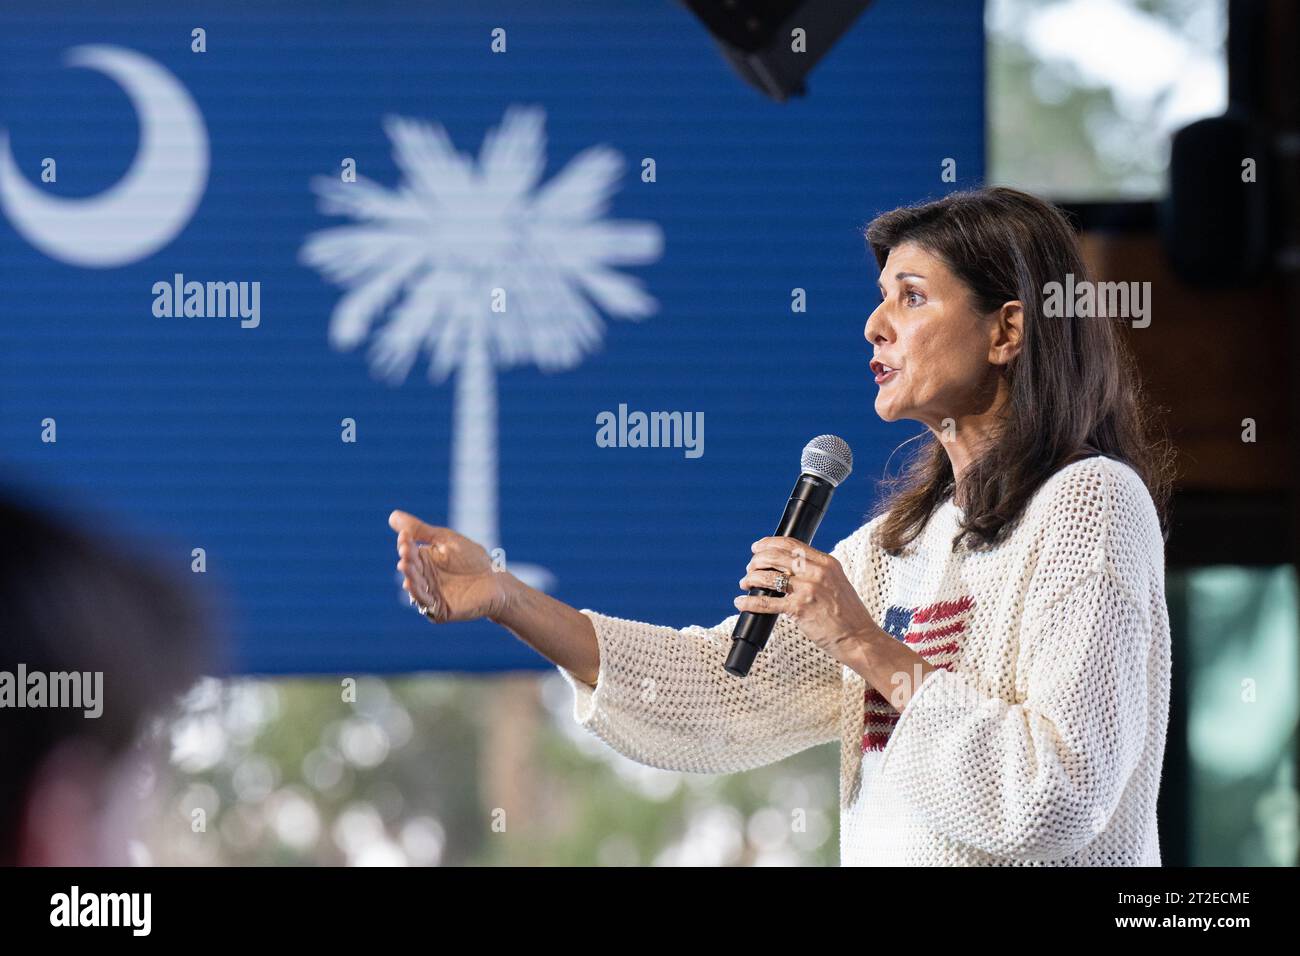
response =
{"points": [[877, 327]]}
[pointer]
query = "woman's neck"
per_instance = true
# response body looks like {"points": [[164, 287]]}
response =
{"points": [[966, 437]]}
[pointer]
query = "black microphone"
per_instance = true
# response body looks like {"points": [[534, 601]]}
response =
{"points": [[826, 461]]}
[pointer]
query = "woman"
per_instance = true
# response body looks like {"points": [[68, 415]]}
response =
{"points": [[992, 649]]}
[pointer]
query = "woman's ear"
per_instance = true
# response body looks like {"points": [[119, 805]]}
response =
{"points": [[1007, 334]]}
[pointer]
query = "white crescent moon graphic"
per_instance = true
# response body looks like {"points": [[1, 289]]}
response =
{"points": [[146, 208]]}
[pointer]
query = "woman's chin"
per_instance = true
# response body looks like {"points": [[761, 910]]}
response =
{"points": [[885, 411]]}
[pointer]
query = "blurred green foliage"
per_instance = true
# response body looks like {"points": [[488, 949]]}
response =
{"points": [[291, 772]]}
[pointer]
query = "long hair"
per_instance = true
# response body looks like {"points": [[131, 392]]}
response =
{"points": [[1073, 387]]}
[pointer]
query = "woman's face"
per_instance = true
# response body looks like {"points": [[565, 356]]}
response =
{"points": [[933, 353]]}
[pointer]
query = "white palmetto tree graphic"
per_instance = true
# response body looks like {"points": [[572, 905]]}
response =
{"points": [[480, 268]]}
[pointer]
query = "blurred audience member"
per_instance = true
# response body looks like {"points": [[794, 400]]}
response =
{"points": [[94, 642]]}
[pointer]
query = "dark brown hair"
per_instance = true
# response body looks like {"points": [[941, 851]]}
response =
{"points": [[1074, 391], [79, 602]]}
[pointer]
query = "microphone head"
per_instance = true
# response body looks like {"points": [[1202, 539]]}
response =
{"points": [[829, 457]]}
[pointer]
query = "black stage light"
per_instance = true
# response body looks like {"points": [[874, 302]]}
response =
{"points": [[758, 37]]}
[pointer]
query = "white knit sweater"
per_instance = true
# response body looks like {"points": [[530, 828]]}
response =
{"points": [[1038, 741]]}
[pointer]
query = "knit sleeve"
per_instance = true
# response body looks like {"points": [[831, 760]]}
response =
{"points": [[662, 696], [1041, 778]]}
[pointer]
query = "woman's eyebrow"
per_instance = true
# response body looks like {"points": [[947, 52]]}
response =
{"points": [[899, 277]]}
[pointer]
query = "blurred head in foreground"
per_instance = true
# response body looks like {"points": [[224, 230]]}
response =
{"points": [[94, 641]]}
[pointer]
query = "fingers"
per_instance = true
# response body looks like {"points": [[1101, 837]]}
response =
{"points": [[790, 555], [772, 559], [408, 547], [418, 576], [424, 595], [401, 521], [761, 603], [408, 569], [759, 578], [790, 546]]}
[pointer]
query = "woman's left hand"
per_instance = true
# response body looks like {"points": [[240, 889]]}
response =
{"points": [[818, 596]]}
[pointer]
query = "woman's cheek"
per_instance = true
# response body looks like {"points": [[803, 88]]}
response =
{"points": [[913, 388]]}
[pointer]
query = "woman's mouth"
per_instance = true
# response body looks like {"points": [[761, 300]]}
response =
{"points": [[884, 373]]}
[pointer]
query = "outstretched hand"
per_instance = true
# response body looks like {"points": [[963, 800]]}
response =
{"points": [[449, 575]]}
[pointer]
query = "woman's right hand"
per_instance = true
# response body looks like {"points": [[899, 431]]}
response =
{"points": [[446, 572]]}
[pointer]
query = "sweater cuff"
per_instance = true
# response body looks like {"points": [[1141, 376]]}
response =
{"points": [[587, 697]]}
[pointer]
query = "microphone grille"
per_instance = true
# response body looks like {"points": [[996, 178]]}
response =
{"points": [[829, 457]]}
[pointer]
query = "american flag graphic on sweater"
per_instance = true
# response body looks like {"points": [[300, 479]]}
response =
{"points": [[935, 632]]}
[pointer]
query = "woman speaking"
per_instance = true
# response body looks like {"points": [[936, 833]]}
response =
{"points": [[992, 648]]}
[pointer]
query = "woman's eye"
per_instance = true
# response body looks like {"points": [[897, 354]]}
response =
{"points": [[914, 295]]}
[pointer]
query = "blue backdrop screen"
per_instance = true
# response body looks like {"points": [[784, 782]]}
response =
{"points": [[601, 215]]}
